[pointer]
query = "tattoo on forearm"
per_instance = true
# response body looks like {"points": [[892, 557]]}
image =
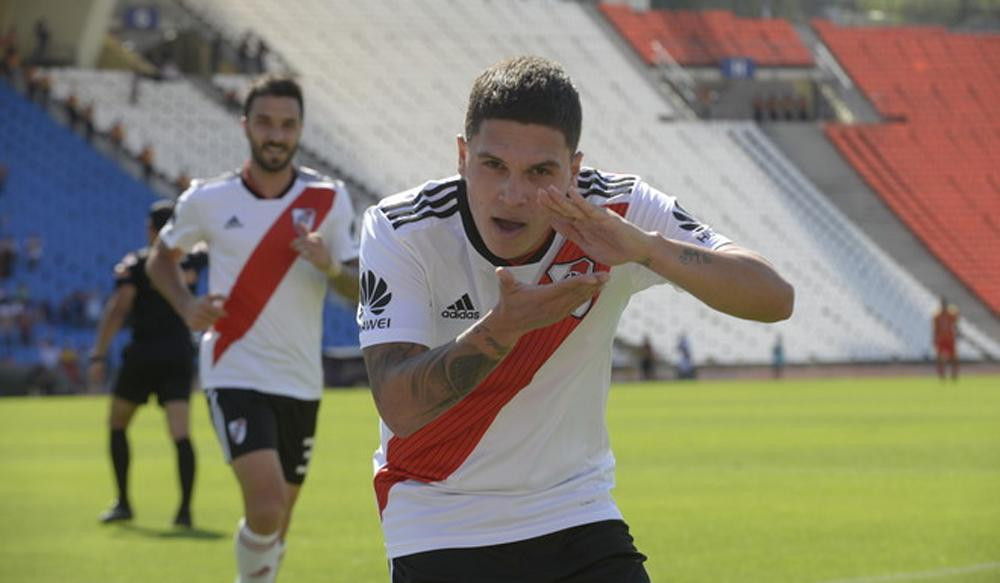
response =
{"points": [[692, 257], [436, 378], [646, 262]]}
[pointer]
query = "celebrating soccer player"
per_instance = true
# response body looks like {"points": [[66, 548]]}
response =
{"points": [[277, 236], [489, 304]]}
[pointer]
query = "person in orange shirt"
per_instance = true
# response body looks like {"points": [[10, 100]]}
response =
{"points": [[945, 334]]}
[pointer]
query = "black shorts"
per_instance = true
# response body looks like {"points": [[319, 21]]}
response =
{"points": [[169, 379], [246, 420], [600, 552]]}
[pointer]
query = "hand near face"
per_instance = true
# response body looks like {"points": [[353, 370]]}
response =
{"points": [[600, 232], [524, 307]]}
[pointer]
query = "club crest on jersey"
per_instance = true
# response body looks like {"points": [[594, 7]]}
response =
{"points": [[237, 430], [305, 217], [575, 268]]}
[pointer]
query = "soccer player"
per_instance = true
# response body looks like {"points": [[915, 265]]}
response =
{"points": [[158, 360], [489, 304], [277, 236], [945, 334]]}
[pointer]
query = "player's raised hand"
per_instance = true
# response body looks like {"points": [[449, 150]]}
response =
{"points": [[524, 307], [311, 247], [599, 231], [201, 312]]}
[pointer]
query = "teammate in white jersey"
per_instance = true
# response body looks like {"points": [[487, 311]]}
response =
{"points": [[489, 304], [277, 237]]}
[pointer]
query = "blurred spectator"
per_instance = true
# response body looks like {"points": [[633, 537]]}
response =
{"points": [[33, 250], [117, 134], [260, 57], [44, 89], [93, 307], [146, 159], [133, 89], [789, 106], [88, 121], [232, 99], [32, 82], [243, 53], [26, 324], [72, 109], [48, 357], [8, 318], [685, 360], [945, 326], [758, 108], [771, 107], [183, 181], [778, 358], [11, 62], [215, 59], [803, 108], [647, 360], [8, 257], [42, 35], [69, 364], [9, 39]]}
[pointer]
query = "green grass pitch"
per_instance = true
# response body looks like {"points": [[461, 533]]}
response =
{"points": [[798, 481]]}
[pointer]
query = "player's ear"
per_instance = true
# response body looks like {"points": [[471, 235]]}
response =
{"points": [[463, 149], [575, 162]]}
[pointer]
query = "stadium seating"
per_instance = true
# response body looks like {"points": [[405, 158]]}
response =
{"points": [[394, 76], [935, 168], [705, 38], [189, 132], [87, 211], [925, 74], [386, 82], [853, 303]]}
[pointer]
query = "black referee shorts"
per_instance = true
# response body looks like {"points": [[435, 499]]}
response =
{"points": [[600, 552], [170, 380]]}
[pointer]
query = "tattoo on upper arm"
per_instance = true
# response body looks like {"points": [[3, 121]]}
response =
{"points": [[693, 257]]}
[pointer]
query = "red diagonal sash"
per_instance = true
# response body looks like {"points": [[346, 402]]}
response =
{"points": [[440, 447], [265, 268]]}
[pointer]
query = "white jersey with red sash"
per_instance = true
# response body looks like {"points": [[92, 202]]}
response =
{"points": [[270, 339], [526, 452]]}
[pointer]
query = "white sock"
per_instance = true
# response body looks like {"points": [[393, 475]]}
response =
{"points": [[257, 555]]}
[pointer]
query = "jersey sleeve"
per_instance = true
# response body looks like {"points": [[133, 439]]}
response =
{"points": [[340, 229], [185, 228], [127, 271], [652, 210], [395, 302]]}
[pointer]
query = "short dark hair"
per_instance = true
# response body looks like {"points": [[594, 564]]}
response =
{"points": [[274, 86], [160, 212], [528, 90]]}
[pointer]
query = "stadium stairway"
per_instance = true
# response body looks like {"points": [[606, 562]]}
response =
{"points": [[809, 149]]}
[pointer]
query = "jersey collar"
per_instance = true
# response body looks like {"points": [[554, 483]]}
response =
{"points": [[252, 188]]}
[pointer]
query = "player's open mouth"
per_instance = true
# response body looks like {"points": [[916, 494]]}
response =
{"points": [[507, 226]]}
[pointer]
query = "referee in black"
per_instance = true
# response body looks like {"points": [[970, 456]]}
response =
{"points": [[158, 360]]}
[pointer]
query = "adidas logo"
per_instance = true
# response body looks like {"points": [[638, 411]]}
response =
{"points": [[462, 309], [233, 223]]}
